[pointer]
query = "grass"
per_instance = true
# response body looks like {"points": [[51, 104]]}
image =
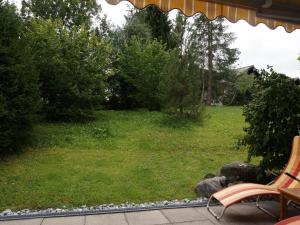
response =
{"points": [[133, 156]]}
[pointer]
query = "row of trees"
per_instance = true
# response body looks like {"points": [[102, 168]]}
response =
{"points": [[176, 65], [61, 59]]}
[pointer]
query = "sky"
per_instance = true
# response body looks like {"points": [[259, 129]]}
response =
{"points": [[259, 46]]}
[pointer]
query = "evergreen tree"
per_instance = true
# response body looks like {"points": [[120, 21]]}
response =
{"points": [[120, 89], [160, 25], [213, 43], [181, 87], [141, 65], [19, 96]]}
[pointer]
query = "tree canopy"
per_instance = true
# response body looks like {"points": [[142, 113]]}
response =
{"points": [[71, 12], [19, 94]]}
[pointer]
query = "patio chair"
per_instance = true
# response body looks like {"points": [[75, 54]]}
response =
{"points": [[290, 221], [236, 193]]}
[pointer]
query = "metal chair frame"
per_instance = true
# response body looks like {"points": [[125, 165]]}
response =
{"points": [[218, 217]]}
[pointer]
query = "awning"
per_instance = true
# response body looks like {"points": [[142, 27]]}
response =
{"points": [[273, 13]]}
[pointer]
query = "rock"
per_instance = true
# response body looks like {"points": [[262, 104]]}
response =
{"points": [[7, 212], [209, 186], [209, 175], [239, 171]]}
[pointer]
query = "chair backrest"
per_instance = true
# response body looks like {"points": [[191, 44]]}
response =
{"points": [[293, 168]]}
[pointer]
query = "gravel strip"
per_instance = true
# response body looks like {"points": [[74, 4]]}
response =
{"points": [[100, 209]]}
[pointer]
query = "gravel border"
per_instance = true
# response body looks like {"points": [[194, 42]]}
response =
{"points": [[100, 209]]}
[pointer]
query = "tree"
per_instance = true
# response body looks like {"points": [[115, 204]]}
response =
{"points": [[19, 96], [273, 116], [73, 66], [213, 43], [71, 12], [159, 24], [142, 64], [181, 86], [120, 89], [136, 27]]}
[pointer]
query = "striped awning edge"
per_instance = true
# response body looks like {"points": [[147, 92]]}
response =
{"points": [[212, 11]]}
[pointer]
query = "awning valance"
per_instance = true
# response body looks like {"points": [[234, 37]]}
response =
{"points": [[273, 13]]}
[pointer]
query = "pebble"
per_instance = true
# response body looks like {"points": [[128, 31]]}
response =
{"points": [[99, 208]]}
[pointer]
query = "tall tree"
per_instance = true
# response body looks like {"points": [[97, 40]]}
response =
{"points": [[142, 64], [19, 95], [160, 25], [121, 89], [181, 85], [71, 12], [214, 45]]}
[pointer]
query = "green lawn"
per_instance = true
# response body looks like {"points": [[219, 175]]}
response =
{"points": [[134, 156]]}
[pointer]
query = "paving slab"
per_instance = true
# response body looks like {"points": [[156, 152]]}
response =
{"points": [[106, 219], [183, 215], [75, 220], [146, 218], [22, 222], [238, 214]]}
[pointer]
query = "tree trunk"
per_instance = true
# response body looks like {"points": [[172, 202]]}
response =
{"points": [[210, 64]]}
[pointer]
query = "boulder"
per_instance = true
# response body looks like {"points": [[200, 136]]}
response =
{"points": [[209, 186], [239, 171], [209, 175]]}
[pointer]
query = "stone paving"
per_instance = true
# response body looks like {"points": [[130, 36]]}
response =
{"points": [[240, 214]]}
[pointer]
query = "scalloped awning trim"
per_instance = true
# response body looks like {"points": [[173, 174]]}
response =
{"points": [[213, 10]]}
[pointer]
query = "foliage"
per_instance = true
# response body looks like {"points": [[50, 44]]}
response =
{"points": [[72, 66], [147, 160], [273, 116], [212, 41], [242, 85], [135, 27], [181, 89], [159, 24], [119, 88], [181, 86], [71, 12], [19, 97], [142, 64]]}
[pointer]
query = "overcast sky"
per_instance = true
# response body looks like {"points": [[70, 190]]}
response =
{"points": [[259, 46]]}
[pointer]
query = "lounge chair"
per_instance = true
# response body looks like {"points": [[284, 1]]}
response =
{"points": [[236, 193]]}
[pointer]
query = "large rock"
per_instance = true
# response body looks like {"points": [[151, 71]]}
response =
{"points": [[209, 186], [239, 171]]}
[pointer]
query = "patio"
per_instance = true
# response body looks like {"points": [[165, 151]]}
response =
{"points": [[243, 213]]}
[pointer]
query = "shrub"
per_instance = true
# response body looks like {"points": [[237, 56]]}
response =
{"points": [[273, 116], [141, 64], [73, 66], [19, 97]]}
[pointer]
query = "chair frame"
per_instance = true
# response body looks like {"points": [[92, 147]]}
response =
{"points": [[218, 217]]}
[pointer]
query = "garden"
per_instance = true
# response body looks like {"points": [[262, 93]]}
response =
{"points": [[92, 113]]}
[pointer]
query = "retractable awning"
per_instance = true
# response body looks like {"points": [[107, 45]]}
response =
{"points": [[273, 13]]}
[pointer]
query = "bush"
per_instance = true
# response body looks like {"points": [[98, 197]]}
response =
{"points": [[19, 96], [73, 66], [141, 64], [273, 116]]}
